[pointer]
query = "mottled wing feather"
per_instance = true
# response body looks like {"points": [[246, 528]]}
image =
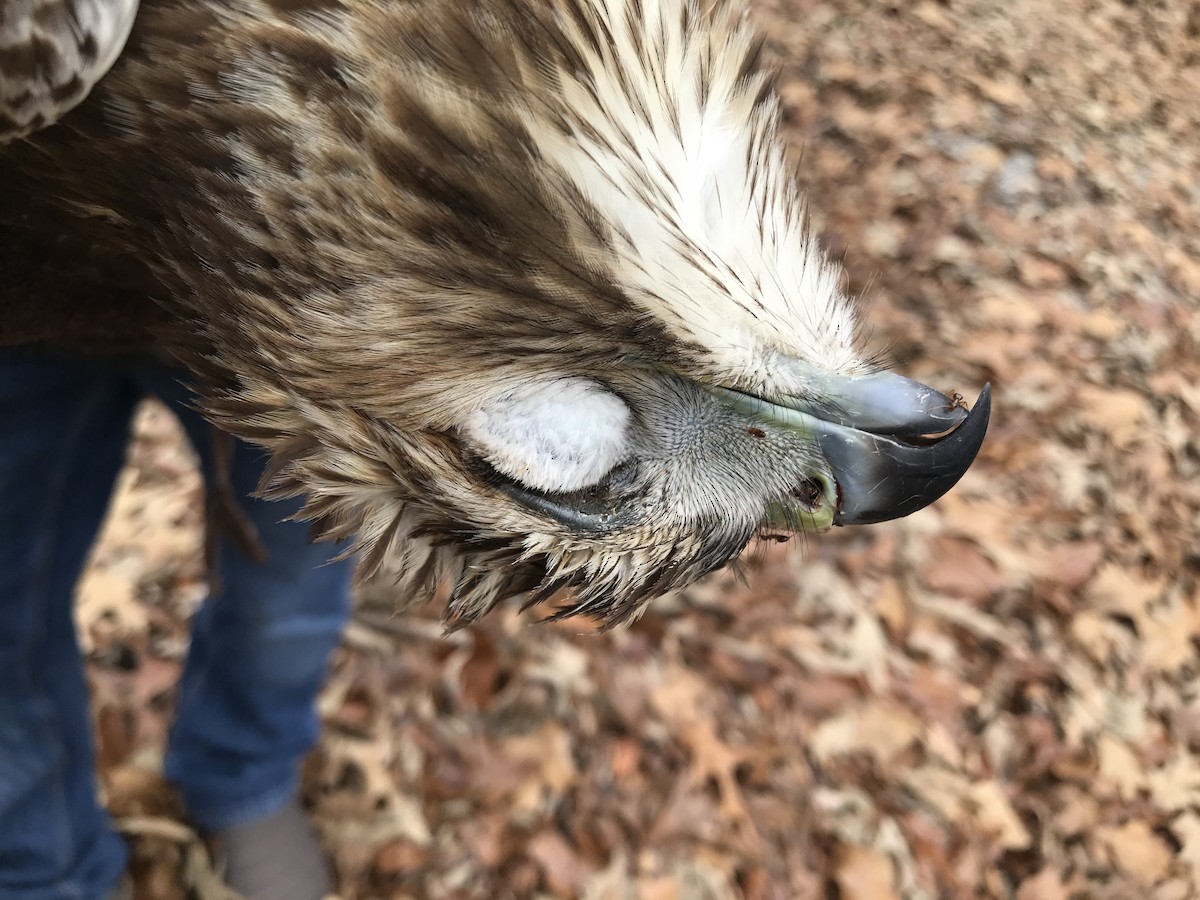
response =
{"points": [[51, 54]]}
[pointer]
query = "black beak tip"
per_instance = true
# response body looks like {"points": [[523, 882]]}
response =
{"points": [[890, 479]]}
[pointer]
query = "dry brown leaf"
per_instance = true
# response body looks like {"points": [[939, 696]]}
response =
{"points": [[1004, 92], [400, 859], [1137, 850], [707, 874], [1047, 884], [1175, 889], [1186, 829], [1119, 767], [1122, 591], [1008, 304], [956, 797], [658, 887], [613, 882], [985, 521], [996, 816], [679, 696], [564, 872], [891, 606], [1175, 784], [1102, 325], [1070, 565], [548, 766], [480, 673], [1079, 812], [1118, 414], [959, 568], [712, 758], [864, 874], [110, 594], [878, 728], [1169, 636]]}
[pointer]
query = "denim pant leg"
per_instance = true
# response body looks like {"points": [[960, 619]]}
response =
{"points": [[63, 430], [260, 649]]}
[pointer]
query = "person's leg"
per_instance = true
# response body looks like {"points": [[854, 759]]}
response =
{"points": [[260, 648], [63, 430]]}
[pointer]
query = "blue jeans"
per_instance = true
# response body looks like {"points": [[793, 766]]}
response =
{"points": [[246, 713]]}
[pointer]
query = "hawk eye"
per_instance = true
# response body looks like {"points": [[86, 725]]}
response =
{"points": [[604, 506]]}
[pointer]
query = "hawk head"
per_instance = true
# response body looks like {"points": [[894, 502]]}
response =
{"points": [[520, 295]]}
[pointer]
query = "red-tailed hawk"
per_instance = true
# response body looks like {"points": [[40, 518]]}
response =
{"points": [[519, 293]]}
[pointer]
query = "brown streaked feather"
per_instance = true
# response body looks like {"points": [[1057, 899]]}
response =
{"points": [[357, 216]]}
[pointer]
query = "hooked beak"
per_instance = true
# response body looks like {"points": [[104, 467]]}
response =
{"points": [[882, 475], [885, 440]]}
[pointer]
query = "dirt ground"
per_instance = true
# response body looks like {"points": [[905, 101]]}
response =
{"points": [[996, 697]]}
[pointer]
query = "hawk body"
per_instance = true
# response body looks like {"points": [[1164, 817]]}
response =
{"points": [[390, 236]]}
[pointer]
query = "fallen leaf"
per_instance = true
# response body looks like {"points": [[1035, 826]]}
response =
{"points": [[875, 727], [1047, 884], [997, 817], [547, 758], [564, 872], [1117, 414], [1119, 767], [1137, 850], [960, 569], [864, 874]]}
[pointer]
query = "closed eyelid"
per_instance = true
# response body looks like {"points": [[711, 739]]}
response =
{"points": [[564, 434]]}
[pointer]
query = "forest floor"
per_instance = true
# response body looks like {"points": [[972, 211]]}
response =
{"points": [[996, 697]]}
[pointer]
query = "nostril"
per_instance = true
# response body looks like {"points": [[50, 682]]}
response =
{"points": [[810, 493]]}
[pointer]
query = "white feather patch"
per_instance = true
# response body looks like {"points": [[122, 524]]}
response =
{"points": [[560, 435]]}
